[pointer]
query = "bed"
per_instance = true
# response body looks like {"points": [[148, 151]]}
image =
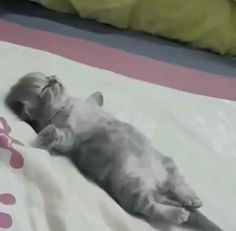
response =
{"points": [[184, 103]]}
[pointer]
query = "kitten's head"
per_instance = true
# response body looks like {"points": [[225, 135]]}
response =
{"points": [[35, 96]]}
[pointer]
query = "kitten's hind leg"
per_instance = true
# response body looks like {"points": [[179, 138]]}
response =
{"points": [[179, 188], [167, 201], [151, 209], [183, 192]]}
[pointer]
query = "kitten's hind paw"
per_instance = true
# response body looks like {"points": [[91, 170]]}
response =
{"points": [[182, 216], [177, 215], [192, 203]]}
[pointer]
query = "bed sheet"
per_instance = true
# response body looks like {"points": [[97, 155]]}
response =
{"points": [[41, 192]]}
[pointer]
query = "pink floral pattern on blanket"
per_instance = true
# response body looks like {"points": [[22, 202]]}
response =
{"points": [[16, 162], [16, 159]]}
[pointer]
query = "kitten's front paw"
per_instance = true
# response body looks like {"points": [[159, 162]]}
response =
{"points": [[47, 137]]}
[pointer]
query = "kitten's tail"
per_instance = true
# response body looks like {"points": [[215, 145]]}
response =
{"points": [[200, 222]]}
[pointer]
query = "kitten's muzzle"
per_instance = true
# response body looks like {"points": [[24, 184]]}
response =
{"points": [[52, 81]]}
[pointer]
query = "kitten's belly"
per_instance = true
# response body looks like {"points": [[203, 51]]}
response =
{"points": [[148, 169], [114, 149]]}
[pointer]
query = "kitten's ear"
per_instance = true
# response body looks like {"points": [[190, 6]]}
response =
{"points": [[96, 98]]}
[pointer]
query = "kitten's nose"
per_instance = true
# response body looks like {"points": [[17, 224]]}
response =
{"points": [[52, 80]]}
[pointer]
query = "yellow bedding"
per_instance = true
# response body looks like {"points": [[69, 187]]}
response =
{"points": [[208, 24]]}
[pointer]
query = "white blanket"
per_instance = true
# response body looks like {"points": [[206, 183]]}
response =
{"points": [[41, 193]]}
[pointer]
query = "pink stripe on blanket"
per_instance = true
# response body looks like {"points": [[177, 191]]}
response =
{"points": [[118, 61]]}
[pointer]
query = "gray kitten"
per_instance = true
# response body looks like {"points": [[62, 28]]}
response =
{"points": [[110, 152]]}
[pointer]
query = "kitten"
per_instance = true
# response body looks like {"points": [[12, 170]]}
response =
{"points": [[110, 152]]}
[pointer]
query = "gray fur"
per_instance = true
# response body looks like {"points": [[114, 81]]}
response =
{"points": [[109, 152]]}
